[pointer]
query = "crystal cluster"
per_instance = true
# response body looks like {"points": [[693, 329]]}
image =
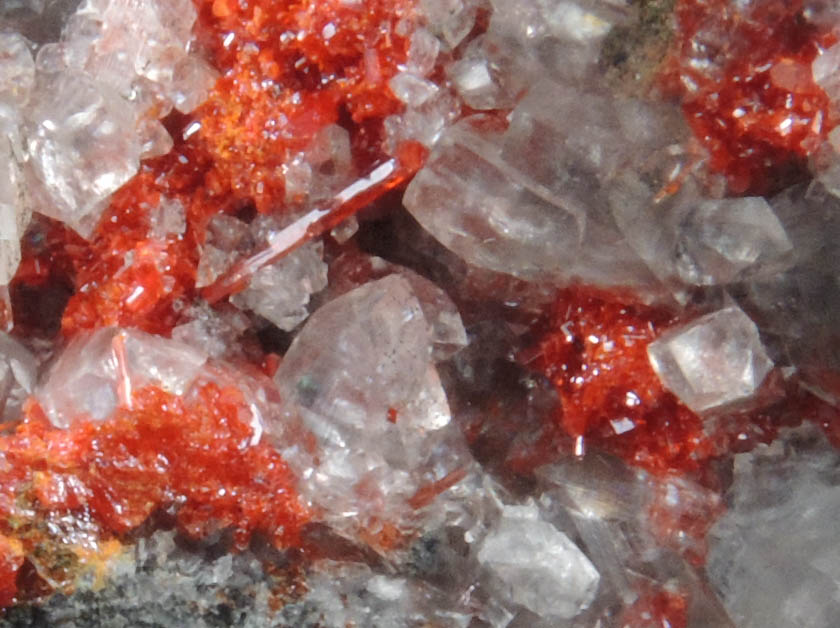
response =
{"points": [[118, 68], [419, 313]]}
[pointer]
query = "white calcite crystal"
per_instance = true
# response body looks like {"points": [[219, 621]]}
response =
{"points": [[720, 241], [712, 362], [699, 241], [774, 558], [18, 376], [118, 68], [78, 150], [98, 371], [14, 215], [424, 123], [452, 20], [824, 70], [483, 195], [315, 175], [17, 78], [498, 224], [280, 291], [411, 89], [17, 69], [360, 378], [540, 566], [446, 330], [168, 218], [227, 236], [212, 331]]}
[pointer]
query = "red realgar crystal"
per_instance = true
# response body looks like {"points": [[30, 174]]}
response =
{"points": [[595, 352], [744, 76], [193, 457]]}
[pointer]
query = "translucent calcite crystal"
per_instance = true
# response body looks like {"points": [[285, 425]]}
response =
{"points": [[117, 69], [98, 372], [773, 557], [716, 360], [17, 78], [542, 569], [373, 402], [18, 376], [279, 291]]}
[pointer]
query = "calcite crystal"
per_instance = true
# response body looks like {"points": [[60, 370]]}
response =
{"points": [[374, 404], [469, 313]]}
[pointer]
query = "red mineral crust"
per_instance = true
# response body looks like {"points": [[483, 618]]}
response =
{"points": [[190, 456], [595, 352], [129, 276], [657, 609], [11, 560], [285, 75], [748, 95]]}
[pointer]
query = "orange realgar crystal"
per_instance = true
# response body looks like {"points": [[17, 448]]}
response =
{"points": [[192, 457]]}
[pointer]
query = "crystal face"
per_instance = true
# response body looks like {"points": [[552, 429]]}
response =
{"points": [[542, 567], [469, 313], [716, 360]]}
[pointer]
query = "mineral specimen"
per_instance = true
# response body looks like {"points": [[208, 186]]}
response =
{"points": [[402, 313]]}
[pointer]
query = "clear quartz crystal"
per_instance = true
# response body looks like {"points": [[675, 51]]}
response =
{"points": [[712, 362]]}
